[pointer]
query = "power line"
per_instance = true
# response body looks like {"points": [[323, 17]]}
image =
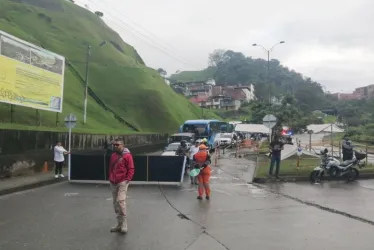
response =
{"points": [[147, 31], [147, 43], [162, 49]]}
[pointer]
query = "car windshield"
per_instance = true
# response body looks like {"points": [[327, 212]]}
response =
{"points": [[172, 147], [178, 138]]}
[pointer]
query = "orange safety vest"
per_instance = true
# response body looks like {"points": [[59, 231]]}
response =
{"points": [[201, 157]]}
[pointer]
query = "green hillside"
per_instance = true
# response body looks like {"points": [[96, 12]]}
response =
{"points": [[189, 76], [117, 76]]}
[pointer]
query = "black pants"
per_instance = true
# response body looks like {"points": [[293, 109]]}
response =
{"points": [[58, 167], [275, 160], [347, 157]]}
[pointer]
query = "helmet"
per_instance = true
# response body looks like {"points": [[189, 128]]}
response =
{"points": [[203, 147], [324, 151], [183, 143], [204, 140]]}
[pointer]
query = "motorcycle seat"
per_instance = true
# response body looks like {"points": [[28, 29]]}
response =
{"points": [[346, 163]]}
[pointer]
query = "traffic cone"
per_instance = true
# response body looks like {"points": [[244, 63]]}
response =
{"points": [[45, 167]]}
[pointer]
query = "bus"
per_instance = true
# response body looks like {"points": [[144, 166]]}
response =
{"points": [[205, 129]]}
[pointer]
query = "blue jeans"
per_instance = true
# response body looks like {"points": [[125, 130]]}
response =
{"points": [[275, 159]]}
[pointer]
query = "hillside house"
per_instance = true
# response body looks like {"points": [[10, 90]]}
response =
{"points": [[200, 89], [244, 94], [230, 104]]}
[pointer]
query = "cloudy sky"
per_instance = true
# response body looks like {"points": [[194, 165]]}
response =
{"points": [[329, 40]]}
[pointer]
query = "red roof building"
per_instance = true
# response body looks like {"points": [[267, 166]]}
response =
{"points": [[236, 94], [199, 99]]}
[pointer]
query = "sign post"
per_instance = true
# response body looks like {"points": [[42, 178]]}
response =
{"points": [[269, 121], [70, 122]]}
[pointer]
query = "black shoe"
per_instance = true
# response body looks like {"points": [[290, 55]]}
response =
{"points": [[207, 197], [199, 197]]}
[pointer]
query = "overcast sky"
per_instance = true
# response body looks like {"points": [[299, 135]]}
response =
{"points": [[329, 40]]}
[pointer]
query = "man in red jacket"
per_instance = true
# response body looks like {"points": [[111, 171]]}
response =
{"points": [[121, 171]]}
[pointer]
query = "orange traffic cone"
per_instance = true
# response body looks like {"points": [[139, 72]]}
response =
{"points": [[45, 167]]}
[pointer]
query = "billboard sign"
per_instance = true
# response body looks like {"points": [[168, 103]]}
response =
{"points": [[30, 76]]}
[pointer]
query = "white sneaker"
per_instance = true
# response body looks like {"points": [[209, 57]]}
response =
{"points": [[56, 176], [62, 176]]}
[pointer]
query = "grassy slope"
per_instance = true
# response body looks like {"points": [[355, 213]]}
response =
{"points": [[187, 76], [121, 80]]}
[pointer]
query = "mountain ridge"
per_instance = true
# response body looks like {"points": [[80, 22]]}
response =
{"points": [[117, 73]]}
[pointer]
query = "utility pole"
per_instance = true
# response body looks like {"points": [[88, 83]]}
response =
{"points": [[332, 143], [86, 84], [268, 76]]}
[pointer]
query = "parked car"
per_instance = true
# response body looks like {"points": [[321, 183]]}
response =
{"points": [[171, 149], [178, 137], [223, 139]]}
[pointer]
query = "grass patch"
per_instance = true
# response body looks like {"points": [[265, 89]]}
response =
{"points": [[117, 74], [306, 165], [191, 76], [329, 119], [288, 167], [264, 147]]}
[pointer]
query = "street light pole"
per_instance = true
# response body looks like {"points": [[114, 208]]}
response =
{"points": [[86, 84], [268, 51]]}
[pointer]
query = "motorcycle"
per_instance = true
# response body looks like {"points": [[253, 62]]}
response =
{"points": [[336, 169]]}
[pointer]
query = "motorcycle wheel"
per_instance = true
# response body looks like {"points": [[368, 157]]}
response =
{"points": [[353, 175], [315, 176]]}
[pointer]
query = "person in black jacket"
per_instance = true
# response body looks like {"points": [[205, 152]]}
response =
{"points": [[347, 149], [182, 149]]}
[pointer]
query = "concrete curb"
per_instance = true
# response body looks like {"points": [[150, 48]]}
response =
{"points": [[306, 178], [31, 186]]}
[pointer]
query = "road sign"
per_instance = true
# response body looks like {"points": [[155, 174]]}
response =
{"points": [[70, 121], [269, 121]]}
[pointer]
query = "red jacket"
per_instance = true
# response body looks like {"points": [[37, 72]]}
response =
{"points": [[121, 170]]}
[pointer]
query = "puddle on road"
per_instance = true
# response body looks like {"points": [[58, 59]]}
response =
{"points": [[71, 194]]}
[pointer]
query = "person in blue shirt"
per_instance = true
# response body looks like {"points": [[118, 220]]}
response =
{"points": [[276, 146]]}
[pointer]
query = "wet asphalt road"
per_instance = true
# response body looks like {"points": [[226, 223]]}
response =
{"points": [[239, 216]]}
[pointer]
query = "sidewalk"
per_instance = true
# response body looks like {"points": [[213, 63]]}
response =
{"points": [[21, 183]]}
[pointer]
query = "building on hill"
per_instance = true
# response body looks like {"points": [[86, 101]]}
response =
{"points": [[230, 104], [347, 97], [365, 92], [199, 89], [244, 94]]}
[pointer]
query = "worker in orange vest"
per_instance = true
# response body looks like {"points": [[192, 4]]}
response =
{"points": [[202, 159]]}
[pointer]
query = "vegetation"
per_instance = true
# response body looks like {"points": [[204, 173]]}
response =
{"points": [[189, 76], [231, 68], [118, 76], [243, 113], [293, 96], [288, 167]]}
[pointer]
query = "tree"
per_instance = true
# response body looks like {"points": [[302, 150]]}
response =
{"points": [[232, 68], [216, 57], [162, 72], [99, 13]]}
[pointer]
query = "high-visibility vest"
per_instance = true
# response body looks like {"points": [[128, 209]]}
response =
{"points": [[201, 157]]}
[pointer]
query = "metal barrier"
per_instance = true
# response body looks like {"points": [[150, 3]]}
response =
{"points": [[165, 170]]}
